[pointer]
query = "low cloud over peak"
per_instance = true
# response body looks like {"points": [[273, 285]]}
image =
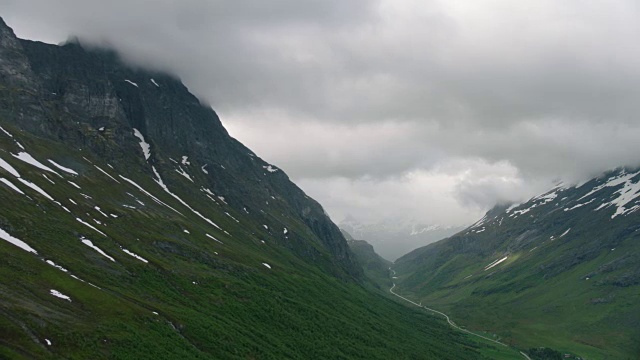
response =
{"points": [[404, 105]]}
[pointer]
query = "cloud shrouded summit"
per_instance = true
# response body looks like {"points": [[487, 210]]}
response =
{"points": [[431, 109]]}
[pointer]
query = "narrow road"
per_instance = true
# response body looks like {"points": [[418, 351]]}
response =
{"points": [[448, 319]]}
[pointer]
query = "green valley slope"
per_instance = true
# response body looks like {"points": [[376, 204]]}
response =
{"points": [[134, 227], [561, 270]]}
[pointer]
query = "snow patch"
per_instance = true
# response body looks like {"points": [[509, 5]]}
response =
{"points": [[17, 242], [100, 211], [26, 157], [90, 226], [229, 215], [49, 180], [131, 82], [36, 188], [270, 168], [134, 255], [60, 295], [154, 82], [74, 184], [580, 205], [11, 185], [90, 244], [184, 173], [266, 265], [56, 266], [495, 263], [203, 169], [10, 169], [185, 160], [106, 173], [63, 168], [166, 189], [211, 237], [6, 132], [148, 194], [146, 148]]}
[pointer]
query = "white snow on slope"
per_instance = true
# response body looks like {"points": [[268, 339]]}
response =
{"points": [[184, 173], [11, 185], [203, 169], [285, 231], [65, 169], [60, 295], [6, 132], [579, 205], [134, 255], [211, 237], [229, 215], [10, 169], [56, 266], [131, 82], [26, 157], [270, 168], [512, 207], [90, 244], [495, 263], [49, 180], [149, 194], [17, 242], [628, 193], [154, 83], [185, 160], [36, 188], [74, 184], [106, 173], [100, 211], [166, 189], [90, 226], [146, 148], [267, 265]]}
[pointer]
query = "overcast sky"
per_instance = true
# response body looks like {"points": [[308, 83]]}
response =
{"points": [[433, 110]]}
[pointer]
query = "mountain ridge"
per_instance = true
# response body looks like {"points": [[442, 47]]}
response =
{"points": [[134, 227], [566, 262]]}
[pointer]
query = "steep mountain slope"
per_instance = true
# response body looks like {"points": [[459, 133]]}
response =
{"points": [[393, 238], [376, 269], [561, 270], [132, 226]]}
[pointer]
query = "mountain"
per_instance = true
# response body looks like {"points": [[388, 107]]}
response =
{"points": [[133, 226], [561, 270], [376, 269], [393, 238]]}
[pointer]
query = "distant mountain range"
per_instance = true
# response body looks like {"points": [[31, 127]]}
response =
{"points": [[393, 238], [560, 270]]}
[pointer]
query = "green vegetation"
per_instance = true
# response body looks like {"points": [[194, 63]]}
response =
{"points": [[212, 300], [577, 293], [376, 269]]}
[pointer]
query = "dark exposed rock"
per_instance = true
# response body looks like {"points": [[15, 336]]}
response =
{"points": [[91, 99]]}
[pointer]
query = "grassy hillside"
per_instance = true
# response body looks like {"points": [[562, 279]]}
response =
{"points": [[376, 269], [541, 275], [184, 288]]}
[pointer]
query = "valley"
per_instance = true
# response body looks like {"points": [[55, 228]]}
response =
{"points": [[133, 225]]}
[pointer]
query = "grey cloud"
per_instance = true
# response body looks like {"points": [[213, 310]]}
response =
{"points": [[499, 98]]}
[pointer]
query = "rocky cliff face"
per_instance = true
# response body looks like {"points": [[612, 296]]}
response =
{"points": [[90, 100]]}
